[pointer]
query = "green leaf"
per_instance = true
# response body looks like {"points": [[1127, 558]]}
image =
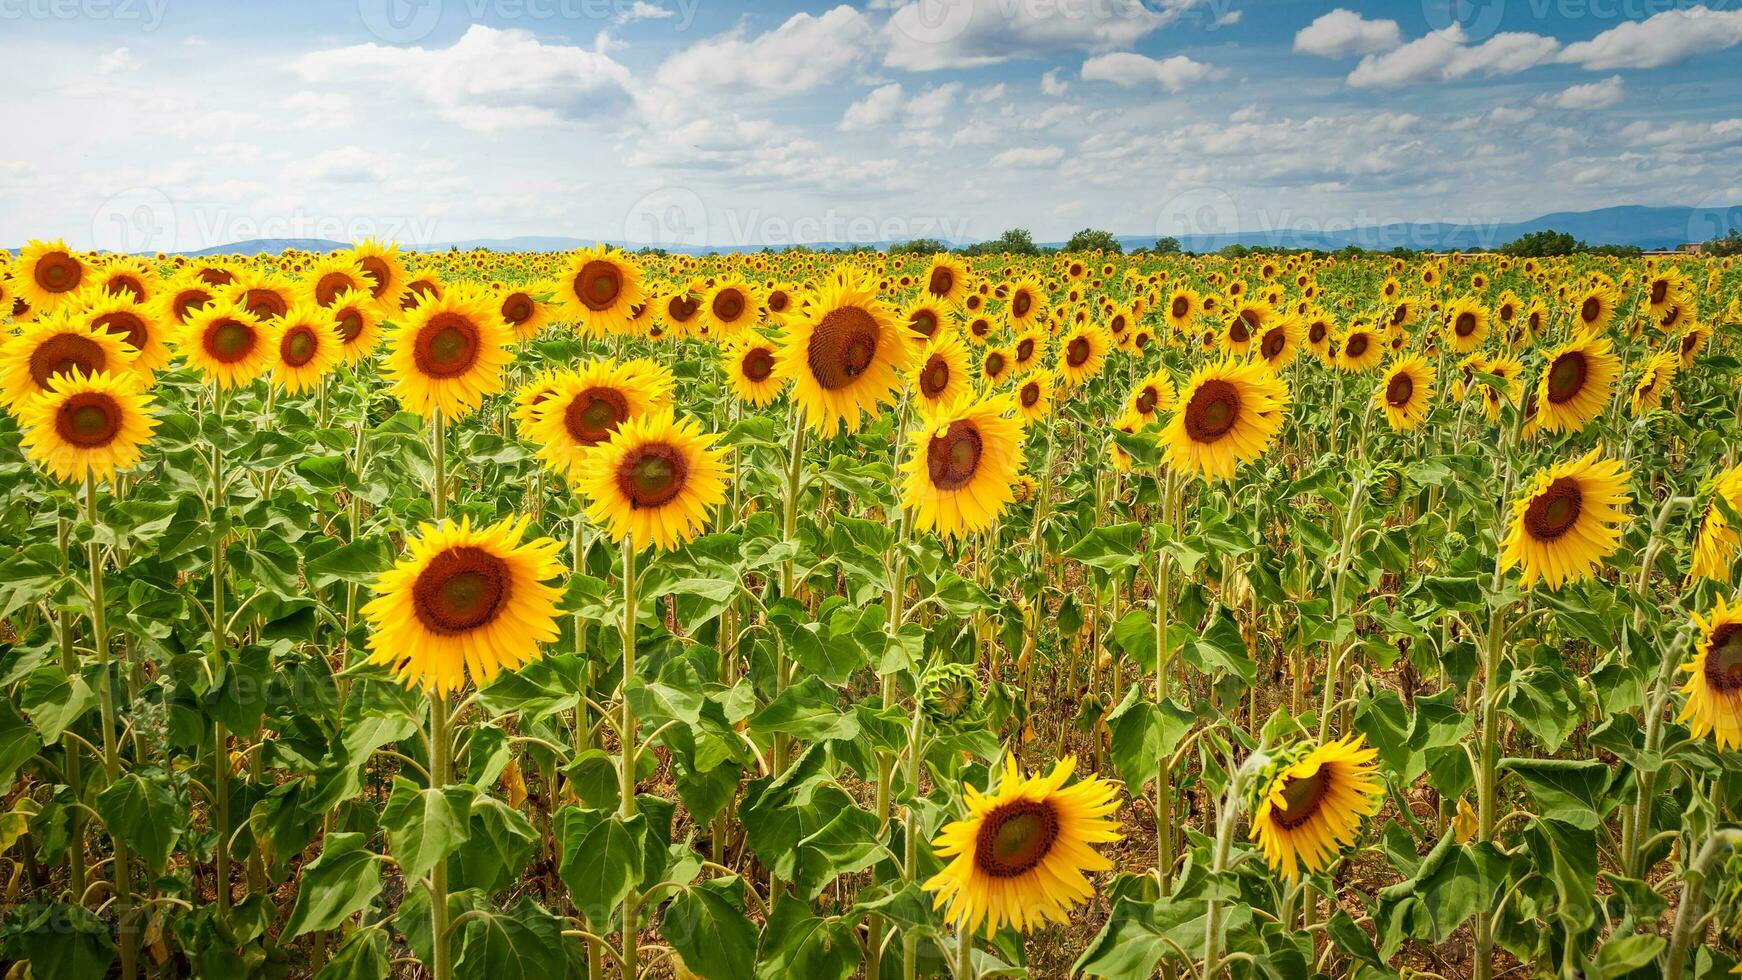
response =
{"points": [[54, 701], [707, 926], [1110, 548], [1454, 882], [66, 942], [1564, 789], [362, 956], [602, 861], [426, 825], [144, 813], [525, 941], [796, 943], [359, 562], [1143, 734], [18, 742], [342, 881], [806, 710]]}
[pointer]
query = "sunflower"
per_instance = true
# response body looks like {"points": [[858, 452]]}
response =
{"points": [[1567, 521], [227, 344], [184, 297], [960, 465], [1691, 341], [925, 317], [87, 425], [308, 347], [1029, 350], [530, 397], [946, 281], [1576, 383], [1182, 305], [748, 362], [521, 311], [424, 287], [599, 288], [47, 275], [1666, 289], [1082, 354], [732, 305], [1153, 396], [1406, 393], [121, 313], [447, 353], [1034, 396], [1495, 396], [357, 318], [844, 356], [1360, 350], [1020, 856], [1028, 304], [1312, 808], [1716, 542], [125, 275], [590, 403], [1466, 324], [996, 365], [654, 481], [1280, 340], [1714, 685], [266, 295], [465, 600], [1247, 319], [1321, 330], [381, 263], [1594, 308], [54, 345], [333, 275], [1654, 379], [680, 309], [1226, 414]]}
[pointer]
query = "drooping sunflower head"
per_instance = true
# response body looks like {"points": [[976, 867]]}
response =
{"points": [[961, 463], [1020, 858], [525, 315], [447, 353], [307, 347], [465, 600], [1311, 809], [48, 275], [1406, 393], [590, 403], [733, 304], [55, 345], [845, 356], [600, 287], [1577, 379], [120, 313], [1567, 521], [1082, 353], [1226, 414], [1714, 684], [88, 425], [654, 481], [748, 360], [1716, 540]]}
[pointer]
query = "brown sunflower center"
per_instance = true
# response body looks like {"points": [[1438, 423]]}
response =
{"points": [[681, 308], [1301, 797], [460, 590], [1464, 325], [953, 458], [758, 364], [1555, 510], [217, 277], [1724, 658], [131, 327], [594, 414], [58, 272], [598, 284], [230, 340], [1590, 309], [446, 347], [728, 305], [1146, 401], [88, 420], [652, 475], [379, 272], [778, 301], [1015, 838], [1274, 343], [842, 347], [62, 354], [189, 300], [1357, 345], [941, 282], [1021, 303], [350, 324], [329, 286], [1212, 410], [1180, 307], [1566, 376], [415, 292], [1077, 351], [517, 308], [1240, 330], [1316, 333], [1671, 317], [994, 364], [1399, 390], [1659, 290], [1025, 348], [935, 378], [125, 283], [299, 345], [265, 303], [1030, 394]]}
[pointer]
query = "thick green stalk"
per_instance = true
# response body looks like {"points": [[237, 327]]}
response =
{"points": [[626, 770], [111, 738], [1163, 613], [69, 662], [441, 747], [220, 733]]}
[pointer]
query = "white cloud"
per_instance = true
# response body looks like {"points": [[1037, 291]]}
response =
{"points": [[990, 93], [489, 79], [801, 54], [344, 165], [1510, 116], [1593, 95], [319, 110], [924, 35], [642, 10], [928, 109], [1663, 39], [117, 60], [1341, 33], [1128, 70], [1051, 84], [1684, 135], [875, 109], [1442, 56], [1028, 156]]}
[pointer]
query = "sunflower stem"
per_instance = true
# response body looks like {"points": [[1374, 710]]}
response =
{"points": [[1163, 613], [111, 740], [69, 662], [626, 771], [220, 733], [965, 955], [441, 747]]}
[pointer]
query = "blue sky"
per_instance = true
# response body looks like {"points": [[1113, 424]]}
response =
{"points": [[167, 124]]}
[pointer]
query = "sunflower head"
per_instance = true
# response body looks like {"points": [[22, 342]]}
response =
{"points": [[384, 269], [357, 319], [844, 356], [1714, 684], [748, 360], [961, 463], [447, 353], [54, 345], [1406, 393], [1567, 521], [306, 346], [654, 481], [48, 275], [1577, 380], [334, 275], [522, 311], [585, 406], [1227, 413], [599, 289], [1082, 353], [88, 425], [1311, 806]]}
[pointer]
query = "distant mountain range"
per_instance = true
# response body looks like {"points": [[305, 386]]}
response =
{"points": [[1645, 227]]}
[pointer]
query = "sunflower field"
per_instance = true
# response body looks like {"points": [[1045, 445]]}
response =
{"points": [[490, 615]]}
